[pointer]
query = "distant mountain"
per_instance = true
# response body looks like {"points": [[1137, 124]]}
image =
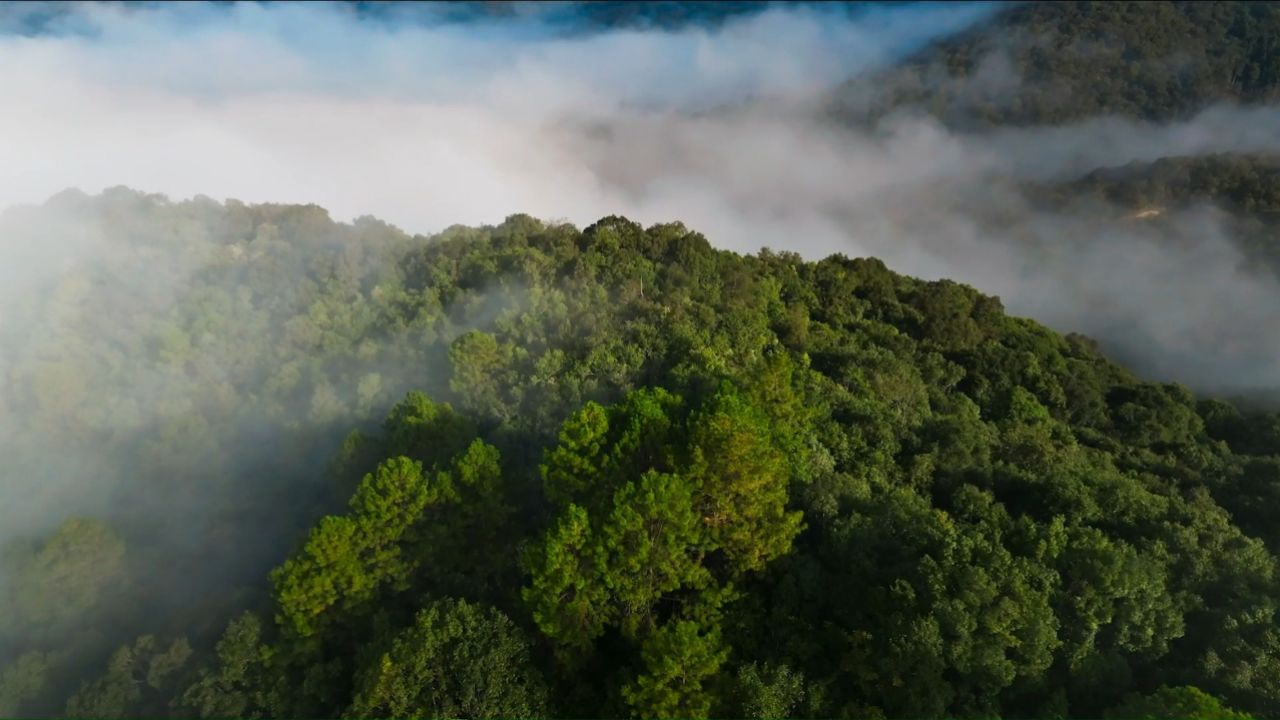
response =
{"points": [[1245, 187], [1053, 62]]}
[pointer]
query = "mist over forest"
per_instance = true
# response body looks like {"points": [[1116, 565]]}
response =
{"points": [[607, 359]]}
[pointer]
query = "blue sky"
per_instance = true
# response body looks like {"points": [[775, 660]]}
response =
{"points": [[413, 50]]}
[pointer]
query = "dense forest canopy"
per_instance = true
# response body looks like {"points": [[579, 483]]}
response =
{"points": [[261, 463], [737, 485], [1054, 62]]}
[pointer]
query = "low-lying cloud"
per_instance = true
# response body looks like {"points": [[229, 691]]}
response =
{"points": [[427, 123]]}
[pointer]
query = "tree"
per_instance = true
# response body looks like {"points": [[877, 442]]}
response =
{"points": [[654, 542], [24, 681], [456, 660], [65, 576], [769, 692], [566, 597], [1169, 703], [230, 687], [482, 374], [678, 659], [425, 430], [138, 681], [348, 559], [742, 481]]}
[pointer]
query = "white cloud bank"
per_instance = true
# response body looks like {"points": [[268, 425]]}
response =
{"points": [[429, 124]]}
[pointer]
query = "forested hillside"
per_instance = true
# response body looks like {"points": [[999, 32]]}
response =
{"points": [[1056, 64], [258, 463], [1046, 63], [1243, 189], [598, 473]]}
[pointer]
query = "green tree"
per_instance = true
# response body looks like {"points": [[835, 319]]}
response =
{"points": [[769, 692], [655, 544], [138, 681], [25, 681], [456, 660], [566, 597], [64, 576], [1170, 703], [678, 659], [348, 559], [231, 686], [743, 480]]}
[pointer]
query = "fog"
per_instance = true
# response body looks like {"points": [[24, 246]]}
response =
{"points": [[426, 124]]}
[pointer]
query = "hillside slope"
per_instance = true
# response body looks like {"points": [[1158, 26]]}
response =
{"points": [[1045, 63], [646, 476]]}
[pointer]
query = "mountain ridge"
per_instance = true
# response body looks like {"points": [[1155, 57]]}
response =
{"points": [[868, 403]]}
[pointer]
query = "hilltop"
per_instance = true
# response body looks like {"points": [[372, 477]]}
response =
{"points": [[744, 485]]}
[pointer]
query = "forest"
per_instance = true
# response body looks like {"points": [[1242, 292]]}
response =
{"points": [[1244, 189], [262, 463], [1057, 62], [621, 473]]}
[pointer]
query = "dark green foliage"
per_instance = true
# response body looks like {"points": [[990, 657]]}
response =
{"points": [[637, 476], [1244, 188], [137, 682], [456, 660], [1176, 702], [227, 689], [1054, 62]]}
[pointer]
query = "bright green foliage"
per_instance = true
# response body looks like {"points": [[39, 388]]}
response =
{"points": [[742, 480], [707, 507], [1174, 703], [393, 496], [348, 560], [601, 447], [425, 430], [328, 569], [566, 598], [710, 483], [678, 661], [655, 544], [770, 692], [456, 660], [578, 461]]}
